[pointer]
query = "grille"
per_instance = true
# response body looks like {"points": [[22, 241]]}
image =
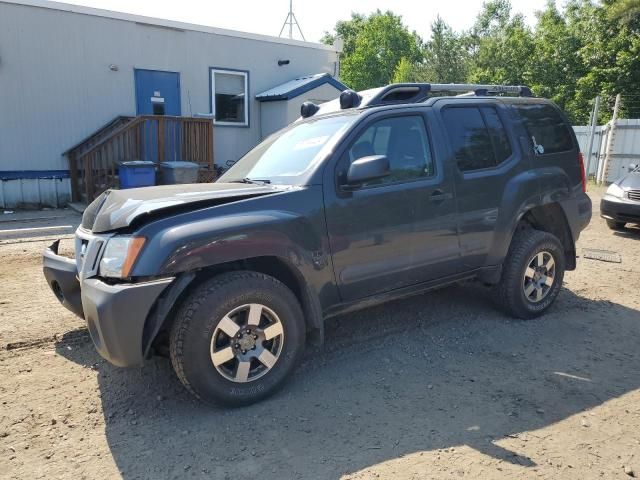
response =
{"points": [[88, 252], [634, 195]]}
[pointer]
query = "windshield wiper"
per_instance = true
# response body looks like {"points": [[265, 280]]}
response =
{"points": [[255, 181]]}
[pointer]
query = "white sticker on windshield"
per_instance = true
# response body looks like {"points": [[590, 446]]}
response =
{"points": [[311, 142]]}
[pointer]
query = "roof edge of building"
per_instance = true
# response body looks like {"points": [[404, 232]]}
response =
{"points": [[304, 88], [159, 22]]}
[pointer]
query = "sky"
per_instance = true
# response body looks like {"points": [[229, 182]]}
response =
{"points": [[314, 16]]}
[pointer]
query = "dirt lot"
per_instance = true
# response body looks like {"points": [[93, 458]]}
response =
{"points": [[437, 386]]}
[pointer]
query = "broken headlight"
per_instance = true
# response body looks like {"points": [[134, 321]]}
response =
{"points": [[119, 256]]}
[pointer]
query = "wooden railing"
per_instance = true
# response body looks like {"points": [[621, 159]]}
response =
{"points": [[94, 167]]}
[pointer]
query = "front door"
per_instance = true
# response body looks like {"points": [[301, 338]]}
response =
{"points": [[396, 231], [158, 93]]}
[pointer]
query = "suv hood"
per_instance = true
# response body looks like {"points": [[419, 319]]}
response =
{"points": [[116, 209]]}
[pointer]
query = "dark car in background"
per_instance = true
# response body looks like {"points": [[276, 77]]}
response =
{"points": [[621, 203], [382, 194]]}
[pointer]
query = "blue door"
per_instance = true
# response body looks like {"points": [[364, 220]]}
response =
{"points": [[158, 93]]}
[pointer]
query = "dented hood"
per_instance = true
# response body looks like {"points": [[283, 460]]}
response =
{"points": [[116, 209]]}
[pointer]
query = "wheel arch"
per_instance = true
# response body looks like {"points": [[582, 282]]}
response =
{"points": [[162, 315], [550, 218]]}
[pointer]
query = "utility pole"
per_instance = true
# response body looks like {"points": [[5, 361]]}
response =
{"points": [[291, 20], [592, 134], [610, 141]]}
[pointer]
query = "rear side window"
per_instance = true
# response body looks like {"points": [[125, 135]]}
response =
{"points": [[547, 130], [477, 137]]}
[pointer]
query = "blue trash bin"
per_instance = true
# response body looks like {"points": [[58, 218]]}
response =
{"points": [[137, 173]]}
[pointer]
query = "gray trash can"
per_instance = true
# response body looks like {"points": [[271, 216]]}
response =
{"points": [[179, 172]]}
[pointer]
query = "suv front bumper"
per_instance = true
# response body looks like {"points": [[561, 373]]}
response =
{"points": [[115, 314]]}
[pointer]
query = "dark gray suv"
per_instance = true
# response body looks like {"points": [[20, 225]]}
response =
{"points": [[378, 195]]}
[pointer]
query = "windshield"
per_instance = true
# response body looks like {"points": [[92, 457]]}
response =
{"points": [[288, 156]]}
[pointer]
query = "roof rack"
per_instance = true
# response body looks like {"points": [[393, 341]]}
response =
{"points": [[399, 93], [419, 92], [482, 90]]}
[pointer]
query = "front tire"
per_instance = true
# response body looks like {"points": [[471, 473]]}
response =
{"points": [[532, 274], [236, 338]]}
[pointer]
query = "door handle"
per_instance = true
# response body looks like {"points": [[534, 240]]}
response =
{"points": [[439, 196]]}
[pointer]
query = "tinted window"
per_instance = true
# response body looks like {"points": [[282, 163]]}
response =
{"points": [[405, 143], [477, 137], [548, 132], [497, 133]]}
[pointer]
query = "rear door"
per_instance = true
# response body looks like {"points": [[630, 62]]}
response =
{"points": [[396, 231], [486, 159]]}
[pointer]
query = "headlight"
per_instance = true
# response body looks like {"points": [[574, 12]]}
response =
{"points": [[615, 191], [119, 256]]}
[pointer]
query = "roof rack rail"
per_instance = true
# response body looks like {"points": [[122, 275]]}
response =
{"points": [[482, 90], [419, 92], [399, 93]]}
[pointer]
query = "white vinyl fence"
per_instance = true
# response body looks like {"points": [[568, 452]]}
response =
{"points": [[625, 148]]}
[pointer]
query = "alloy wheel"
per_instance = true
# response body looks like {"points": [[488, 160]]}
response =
{"points": [[539, 277], [247, 343]]}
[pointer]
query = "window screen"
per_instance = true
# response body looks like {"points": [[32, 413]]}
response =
{"points": [[477, 137], [547, 130], [229, 97], [405, 143]]}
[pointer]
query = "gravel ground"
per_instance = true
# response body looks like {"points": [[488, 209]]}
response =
{"points": [[436, 386]]}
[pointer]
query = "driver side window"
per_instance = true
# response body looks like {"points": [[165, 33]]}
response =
{"points": [[403, 140]]}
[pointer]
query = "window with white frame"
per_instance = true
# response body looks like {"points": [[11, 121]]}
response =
{"points": [[229, 97]]}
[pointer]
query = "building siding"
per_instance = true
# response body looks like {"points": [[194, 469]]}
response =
{"points": [[57, 88], [278, 114]]}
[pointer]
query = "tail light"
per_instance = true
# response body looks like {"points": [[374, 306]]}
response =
{"points": [[583, 173]]}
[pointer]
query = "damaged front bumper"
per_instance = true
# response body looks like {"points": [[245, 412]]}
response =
{"points": [[115, 313]]}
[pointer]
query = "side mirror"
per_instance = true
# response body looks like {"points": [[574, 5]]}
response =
{"points": [[367, 168]]}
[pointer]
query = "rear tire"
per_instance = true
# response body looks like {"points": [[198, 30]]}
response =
{"points": [[532, 274], [236, 338], [613, 225]]}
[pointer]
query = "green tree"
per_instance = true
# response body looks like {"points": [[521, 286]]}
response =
{"points": [[377, 44], [572, 54], [348, 30], [493, 17], [405, 72], [445, 56], [624, 10], [555, 67], [610, 55], [500, 46]]}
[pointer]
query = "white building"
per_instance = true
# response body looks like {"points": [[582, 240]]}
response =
{"points": [[66, 71]]}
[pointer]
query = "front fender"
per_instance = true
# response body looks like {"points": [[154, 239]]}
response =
{"points": [[220, 239]]}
